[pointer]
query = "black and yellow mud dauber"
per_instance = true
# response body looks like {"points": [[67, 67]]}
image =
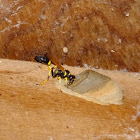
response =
{"points": [[56, 71]]}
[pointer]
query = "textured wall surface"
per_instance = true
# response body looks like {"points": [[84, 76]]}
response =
{"points": [[100, 33]]}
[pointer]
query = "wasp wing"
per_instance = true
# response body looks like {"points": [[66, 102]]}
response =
{"points": [[54, 61]]}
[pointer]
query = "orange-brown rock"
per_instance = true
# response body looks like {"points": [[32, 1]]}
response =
{"points": [[103, 34]]}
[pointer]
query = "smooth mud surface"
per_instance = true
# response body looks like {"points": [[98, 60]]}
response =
{"points": [[32, 112]]}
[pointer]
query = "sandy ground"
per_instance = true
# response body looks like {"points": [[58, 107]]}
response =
{"points": [[32, 112]]}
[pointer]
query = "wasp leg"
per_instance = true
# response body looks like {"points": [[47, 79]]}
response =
{"points": [[43, 82], [66, 81], [50, 69], [59, 78]]}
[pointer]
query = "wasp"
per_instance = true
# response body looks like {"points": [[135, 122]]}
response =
{"points": [[56, 71]]}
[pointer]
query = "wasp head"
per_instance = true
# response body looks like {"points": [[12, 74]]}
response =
{"points": [[41, 59]]}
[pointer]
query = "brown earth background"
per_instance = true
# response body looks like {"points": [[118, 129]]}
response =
{"points": [[100, 33]]}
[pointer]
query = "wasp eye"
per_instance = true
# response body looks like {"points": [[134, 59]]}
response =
{"points": [[43, 58]]}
